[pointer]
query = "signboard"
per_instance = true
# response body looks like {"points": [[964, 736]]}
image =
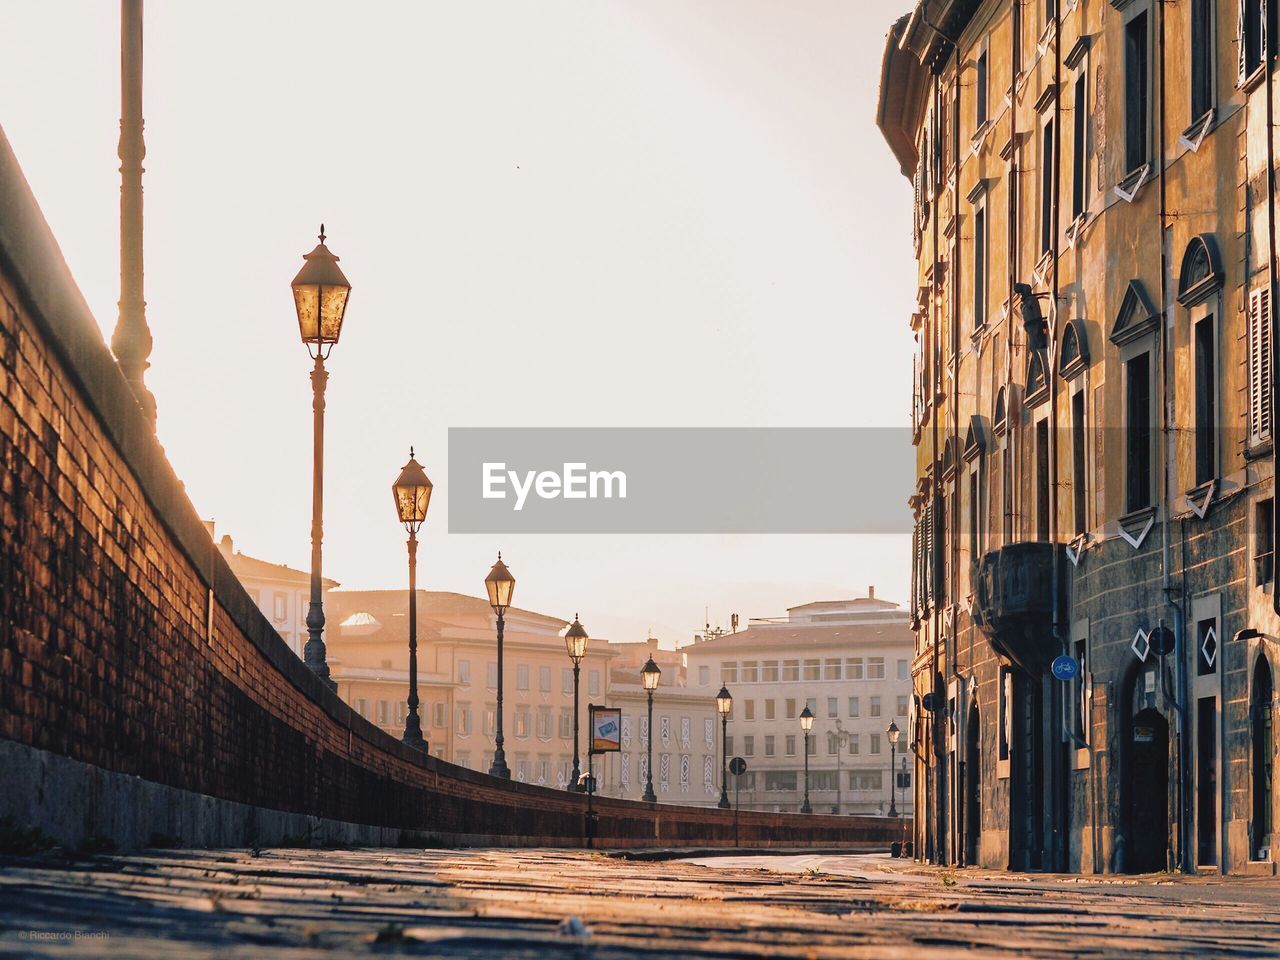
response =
{"points": [[1065, 668], [606, 729], [737, 766]]}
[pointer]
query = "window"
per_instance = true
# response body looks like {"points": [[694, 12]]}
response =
{"points": [[1079, 478], [790, 670], [748, 746], [566, 680], [833, 707], [704, 676], [780, 781], [522, 721], [875, 706], [1080, 128], [1206, 401], [384, 712], [566, 723], [875, 743], [904, 670], [769, 749], [791, 746], [402, 710], [728, 746], [438, 717], [1138, 432], [769, 673], [491, 676], [593, 683], [833, 745], [813, 669], [544, 679], [831, 669], [812, 704], [729, 672], [1201, 58], [1082, 686], [1254, 15], [1264, 543], [822, 780], [1046, 187], [490, 717], [748, 709], [974, 516], [979, 267], [362, 707], [875, 668], [464, 672], [1042, 479], [281, 606], [853, 708], [854, 743], [866, 780], [900, 708], [522, 677], [544, 723], [1136, 92], [811, 745], [1260, 365], [980, 96], [791, 709], [854, 668], [750, 671], [770, 710], [1006, 712], [464, 719]]}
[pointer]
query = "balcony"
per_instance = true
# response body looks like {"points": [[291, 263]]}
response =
{"points": [[1013, 602]]}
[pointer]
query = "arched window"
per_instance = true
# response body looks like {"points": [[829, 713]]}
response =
{"points": [[1201, 271], [1037, 378], [1073, 356]]}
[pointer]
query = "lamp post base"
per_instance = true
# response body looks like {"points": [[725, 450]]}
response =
{"points": [[724, 801], [499, 766], [413, 733], [649, 795], [805, 808]]}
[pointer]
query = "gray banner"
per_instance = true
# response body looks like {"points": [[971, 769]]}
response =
{"points": [[680, 480]]}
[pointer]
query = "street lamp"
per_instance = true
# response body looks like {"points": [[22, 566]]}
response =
{"points": [[412, 493], [500, 584], [893, 733], [806, 724], [724, 704], [649, 676], [320, 293], [575, 641]]}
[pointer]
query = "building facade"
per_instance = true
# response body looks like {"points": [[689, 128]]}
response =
{"points": [[1092, 412], [368, 647], [686, 744], [849, 662], [282, 593]]}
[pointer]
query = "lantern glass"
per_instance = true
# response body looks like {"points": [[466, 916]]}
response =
{"points": [[893, 732], [501, 585], [412, 493], [724, 702], [806, 719], [320, 293], [575, 640], [650, 675]]}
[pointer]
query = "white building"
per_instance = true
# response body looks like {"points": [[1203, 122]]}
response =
{"points": [[849, 661]]}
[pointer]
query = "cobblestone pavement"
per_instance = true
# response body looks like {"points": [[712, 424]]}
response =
{"points": [[554, 903]]}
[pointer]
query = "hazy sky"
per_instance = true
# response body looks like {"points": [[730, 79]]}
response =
{"points": [[590, 213]]}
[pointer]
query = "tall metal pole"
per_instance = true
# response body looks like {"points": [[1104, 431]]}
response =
{"points": [[499, 766], [313, 653], [577, 772], [412, 723], [804, 807], [893, 779], [724, 761], [131, 339], [649, 795]]}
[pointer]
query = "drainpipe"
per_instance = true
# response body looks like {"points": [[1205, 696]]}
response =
{"points": [[953, 589], [939, 800], [1275, 329]]}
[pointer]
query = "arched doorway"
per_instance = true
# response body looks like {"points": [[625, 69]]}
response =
{"points": [[972, 786], [1146, 802], [1263, 752]]}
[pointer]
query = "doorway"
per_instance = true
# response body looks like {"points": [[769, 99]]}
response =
{"points": [[973, 786], [1146, 791], [1263, 754], [1207, 781]]}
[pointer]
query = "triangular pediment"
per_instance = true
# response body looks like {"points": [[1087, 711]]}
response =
{"points": [[975, 438], [1136, 317]]}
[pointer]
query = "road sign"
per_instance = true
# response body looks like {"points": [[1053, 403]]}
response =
{"points": [[1161, 639], [928, 701], [737, 766], [1065, 668]]}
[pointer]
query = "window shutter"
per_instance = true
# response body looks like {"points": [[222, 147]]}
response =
{"points": [[1260, 365], [1264, 21], [1242, 44]]}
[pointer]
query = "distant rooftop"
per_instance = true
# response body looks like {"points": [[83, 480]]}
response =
{"points": [[855, 621]]}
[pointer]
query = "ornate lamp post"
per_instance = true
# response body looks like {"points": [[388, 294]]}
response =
{"points": [[893, 733], [412, 493], [320, 293], [806, 724], [724, 705], [500, 584], [575, 641], [649, 676]]}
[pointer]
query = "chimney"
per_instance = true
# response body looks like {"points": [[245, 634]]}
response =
{"points": [[225, 546], [871, 592]]}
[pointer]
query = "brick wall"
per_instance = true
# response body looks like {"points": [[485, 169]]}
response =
{"points": [[128, 647]]}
